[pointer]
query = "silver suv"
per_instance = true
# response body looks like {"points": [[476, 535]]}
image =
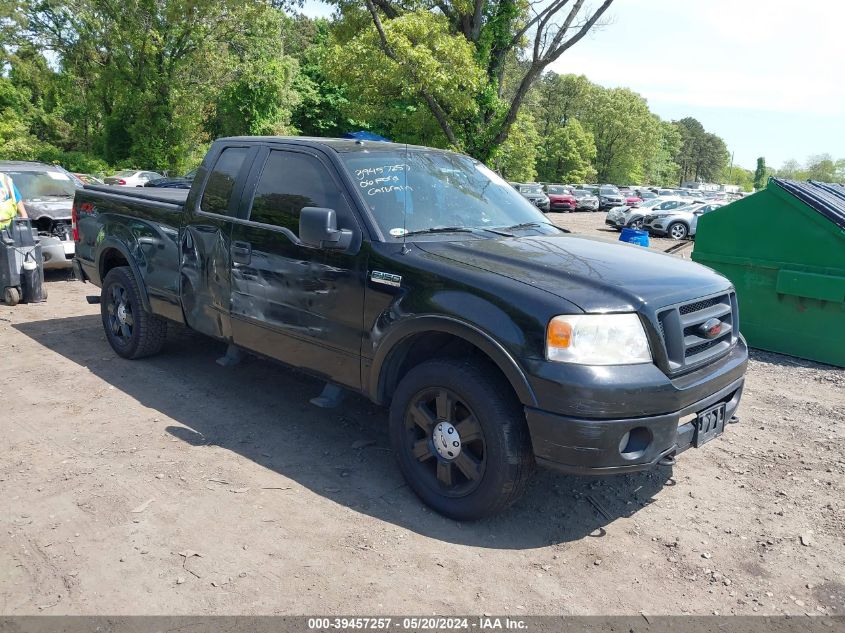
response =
{"points": [[632, 217], [678, 223]]}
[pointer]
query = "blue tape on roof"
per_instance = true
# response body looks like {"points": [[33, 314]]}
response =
{"points": [[826, 198]]}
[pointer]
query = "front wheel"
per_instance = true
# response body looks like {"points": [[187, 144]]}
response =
{"points": [[677, 230], [131, 331], [460, 437]]}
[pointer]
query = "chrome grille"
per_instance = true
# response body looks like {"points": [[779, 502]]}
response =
{"points": [[680, 327]]}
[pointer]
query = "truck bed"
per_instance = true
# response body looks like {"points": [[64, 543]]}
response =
{"points": [[175, 197]]}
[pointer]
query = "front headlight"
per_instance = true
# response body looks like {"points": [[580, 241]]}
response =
{"points": [[597, 339]]}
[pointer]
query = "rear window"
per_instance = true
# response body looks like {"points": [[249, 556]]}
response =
{"points": [[217, 197]]}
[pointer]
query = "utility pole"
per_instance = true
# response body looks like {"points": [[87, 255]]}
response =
{"points": [[731, 170]]}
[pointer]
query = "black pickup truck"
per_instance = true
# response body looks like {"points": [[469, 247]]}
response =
{"points": [[421, 279]]}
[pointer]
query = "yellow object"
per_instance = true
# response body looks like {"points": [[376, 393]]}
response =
{"points": [[8, 204]]}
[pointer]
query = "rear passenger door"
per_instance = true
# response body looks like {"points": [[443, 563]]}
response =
{"points": [[303, 306], [205, 264]]}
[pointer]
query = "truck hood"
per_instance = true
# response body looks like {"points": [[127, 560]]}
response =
{"points": [[595, 275], [52, 207]]}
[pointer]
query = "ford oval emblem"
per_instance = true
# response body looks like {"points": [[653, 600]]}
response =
{"points": [[711, 328]]}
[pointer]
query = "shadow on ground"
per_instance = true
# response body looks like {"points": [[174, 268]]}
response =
{"points": [[260, 410]]}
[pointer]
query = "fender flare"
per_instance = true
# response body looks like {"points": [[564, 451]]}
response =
{"points": [[111, 243], [411, 326]]}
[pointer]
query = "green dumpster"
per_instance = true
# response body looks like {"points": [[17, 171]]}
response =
{"points": [[784, 250]]}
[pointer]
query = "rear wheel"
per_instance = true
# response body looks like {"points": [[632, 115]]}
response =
{"points": [[677, 230], [131, 331], [460, 437]]}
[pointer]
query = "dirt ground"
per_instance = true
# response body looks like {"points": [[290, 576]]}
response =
{"points": [[172, 485]]}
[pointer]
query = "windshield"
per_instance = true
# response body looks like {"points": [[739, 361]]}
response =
{"points": [[581, 193], [609, 191], [42, 184], [531, 188], [557, 190], [654, 202], [424, 189]]}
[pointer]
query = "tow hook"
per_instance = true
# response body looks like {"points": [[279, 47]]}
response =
{"points": [[734, 419], [669, 460]]}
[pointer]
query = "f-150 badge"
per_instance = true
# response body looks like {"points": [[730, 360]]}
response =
{"points": [[388, 279]]}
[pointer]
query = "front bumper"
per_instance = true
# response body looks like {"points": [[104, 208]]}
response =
{"points": [[584, 414], [56, 253]]}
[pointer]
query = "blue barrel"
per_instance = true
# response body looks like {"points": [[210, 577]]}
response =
{"points": [[634, 236]]}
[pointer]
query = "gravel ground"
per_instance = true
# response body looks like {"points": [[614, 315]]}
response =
{"points": [[174, 486]]}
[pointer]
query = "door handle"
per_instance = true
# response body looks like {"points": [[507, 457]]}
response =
{"points": [[241, 252]]}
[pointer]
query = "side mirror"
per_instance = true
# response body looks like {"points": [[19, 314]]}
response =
{"points": [[318, 229]]}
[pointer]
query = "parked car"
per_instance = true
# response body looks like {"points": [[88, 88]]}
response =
{"points": [[646, 194], [498, 340], [180, 182], [132, 178], [609, 197], [533, 192], [561, 198], [47, 192], [678, 223], [585, 200], [89, 179], [632, 217], [632, 199]]}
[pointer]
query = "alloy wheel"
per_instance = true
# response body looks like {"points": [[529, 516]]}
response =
{"points": [[447, 442], [121, 321]]}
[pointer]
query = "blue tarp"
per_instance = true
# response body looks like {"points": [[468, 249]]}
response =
{"points": [[363, 135]]}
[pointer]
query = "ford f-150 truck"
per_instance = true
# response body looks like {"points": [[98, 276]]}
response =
{"points": [[422, 280]]}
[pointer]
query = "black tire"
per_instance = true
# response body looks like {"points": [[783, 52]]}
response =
{"points": [[677, 231], [131, 331], [495, 448]]}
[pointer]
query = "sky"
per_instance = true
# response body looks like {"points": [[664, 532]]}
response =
{"points": [[765, 75]]}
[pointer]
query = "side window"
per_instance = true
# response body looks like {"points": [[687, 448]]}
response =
{"points": [[289, 182], [221, 182]]}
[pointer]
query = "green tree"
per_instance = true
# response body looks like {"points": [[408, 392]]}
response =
{"points": [[736, 175], [660, 167], [145, 78], [791, 170], [567, 154], [625, 132], [703, 155], [821, 167], [760, 174], [557, 98], [452, 61], [517, 156]]}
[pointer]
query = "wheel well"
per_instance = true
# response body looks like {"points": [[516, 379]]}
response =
{"points": [[112, 258], [419, 348]]}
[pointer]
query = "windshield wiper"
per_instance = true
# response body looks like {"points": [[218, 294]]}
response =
{"points": [[528, 225], [440, 229]]}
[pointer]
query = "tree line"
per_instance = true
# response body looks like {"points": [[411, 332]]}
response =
{"points": [[97, 85]]}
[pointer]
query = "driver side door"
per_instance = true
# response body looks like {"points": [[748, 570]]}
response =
{"points": [[301, 305]]}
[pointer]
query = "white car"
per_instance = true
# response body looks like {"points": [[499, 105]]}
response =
{"points": [[632, 217], [678, 223], [132, 178]]}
